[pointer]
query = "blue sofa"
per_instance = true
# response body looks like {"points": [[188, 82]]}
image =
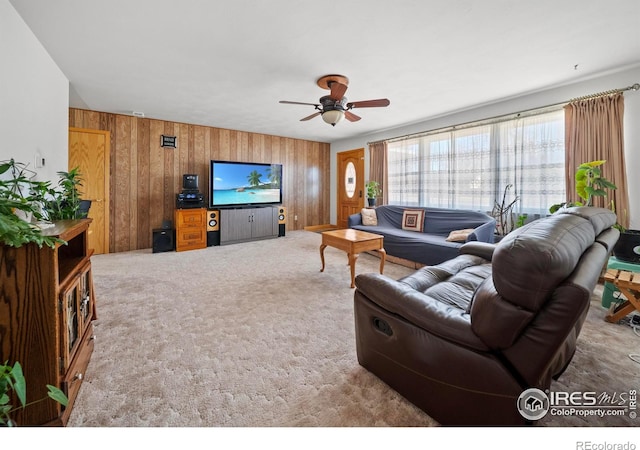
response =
{"points": [[429, 247]]}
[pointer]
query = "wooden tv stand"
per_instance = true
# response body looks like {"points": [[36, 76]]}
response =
{"points": [[47, 307]]}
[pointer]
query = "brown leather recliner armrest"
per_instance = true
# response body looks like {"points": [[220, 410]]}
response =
{"points": [[477, 248], [440, 319]]}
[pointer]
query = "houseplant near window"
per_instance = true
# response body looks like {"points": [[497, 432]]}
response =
{"points": [[589, 183], [373, 191], [503, 213]]}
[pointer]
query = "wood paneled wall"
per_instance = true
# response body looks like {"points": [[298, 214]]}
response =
{"points": [[146, 177]]}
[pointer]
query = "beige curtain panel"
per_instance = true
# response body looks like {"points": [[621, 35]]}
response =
{"points": [[378, 167], [594, 131]]}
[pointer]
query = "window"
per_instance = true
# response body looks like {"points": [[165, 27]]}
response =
{"points": [[470, 167]]}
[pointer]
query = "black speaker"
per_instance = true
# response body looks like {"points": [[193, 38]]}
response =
{"points": [[282, 220], [213, 227], [163, 240]]}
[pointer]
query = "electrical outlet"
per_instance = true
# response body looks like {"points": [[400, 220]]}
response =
{"points": [[39, 160], [295, 218]]}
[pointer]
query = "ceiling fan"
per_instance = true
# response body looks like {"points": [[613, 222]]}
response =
{"points": [[334, 107]]}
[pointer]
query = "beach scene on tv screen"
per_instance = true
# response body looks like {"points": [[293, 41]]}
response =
{"points": [[237, 184]]}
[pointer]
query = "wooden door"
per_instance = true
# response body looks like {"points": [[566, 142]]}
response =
{"points": [[350, 184], [89, 150]]}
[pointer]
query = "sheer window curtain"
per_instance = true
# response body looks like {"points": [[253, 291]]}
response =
{"points": [[470, 167], [378, 167], [594, 131]]}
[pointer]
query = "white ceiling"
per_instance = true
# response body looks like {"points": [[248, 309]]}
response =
{"points": [[227, 63]]}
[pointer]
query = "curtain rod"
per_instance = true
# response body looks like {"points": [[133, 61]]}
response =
{"points": [[633, 87]]}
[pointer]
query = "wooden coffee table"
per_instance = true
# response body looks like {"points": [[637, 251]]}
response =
{"points": [[353, 242]]}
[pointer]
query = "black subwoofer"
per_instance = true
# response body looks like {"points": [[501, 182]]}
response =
{"points": [[163, 240]]}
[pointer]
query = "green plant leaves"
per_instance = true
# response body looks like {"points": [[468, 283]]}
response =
{"points": [[15, 232], [590, 182], [66, 201], [18, 192], [19, 385], [373, 189], [12, 379], [57, 395]]}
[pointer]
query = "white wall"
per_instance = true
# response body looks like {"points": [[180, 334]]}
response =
{"points": [[562, 94], [34, 99]]}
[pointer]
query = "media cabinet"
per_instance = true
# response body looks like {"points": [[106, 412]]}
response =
{"points": [[194, 226], [47, 307], [248, 224]]}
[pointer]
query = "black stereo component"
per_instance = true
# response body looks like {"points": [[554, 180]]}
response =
{"points": [[190, 182], [189, 200]]}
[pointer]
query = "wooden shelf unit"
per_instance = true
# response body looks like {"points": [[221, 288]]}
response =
{"points": [[47, 306]]}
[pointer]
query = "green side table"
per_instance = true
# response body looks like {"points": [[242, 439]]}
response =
{"points": [[610, 293]]}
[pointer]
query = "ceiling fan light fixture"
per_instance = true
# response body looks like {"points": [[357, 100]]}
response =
{"points": [[333, 116], [335, 107]]}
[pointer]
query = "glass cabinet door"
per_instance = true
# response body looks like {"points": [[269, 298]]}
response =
{"points": [[77, 313], [86, 305], [70, 322]]}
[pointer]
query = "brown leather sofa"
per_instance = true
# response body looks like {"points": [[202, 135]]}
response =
{"points": [[463, 339]]}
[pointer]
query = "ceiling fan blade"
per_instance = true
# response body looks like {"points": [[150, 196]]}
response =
{"points": [[337, 90], [351, 117], [369, 103], [310, 117], [299, 103]]}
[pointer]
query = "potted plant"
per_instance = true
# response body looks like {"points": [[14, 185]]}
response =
{"points": [[589, 183], [503, 213], [12, 379], [373, 191], [627, 248], [66, 202], [20, 199]]}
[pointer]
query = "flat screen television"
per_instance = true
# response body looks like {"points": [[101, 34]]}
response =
{"points": [[235, 183]]}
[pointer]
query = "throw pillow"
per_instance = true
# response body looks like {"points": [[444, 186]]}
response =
{"points": [[413, 219], [369, 216], [459, 235]]}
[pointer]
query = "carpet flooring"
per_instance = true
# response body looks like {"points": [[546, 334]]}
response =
{"points": [[254, 335]]}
